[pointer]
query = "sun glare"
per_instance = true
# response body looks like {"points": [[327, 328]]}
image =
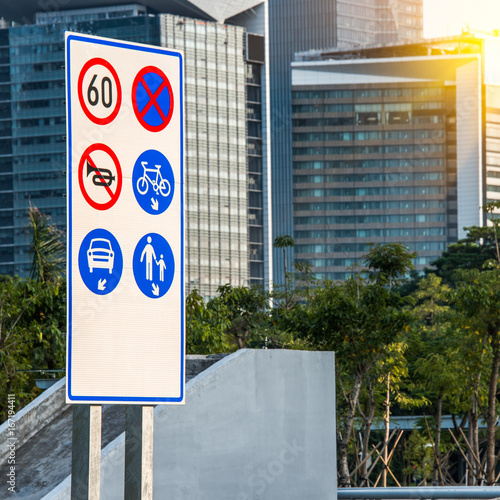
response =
{"points": [[451, 17]]}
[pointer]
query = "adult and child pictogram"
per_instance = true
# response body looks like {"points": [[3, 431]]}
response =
{"points": [[153, 265]]}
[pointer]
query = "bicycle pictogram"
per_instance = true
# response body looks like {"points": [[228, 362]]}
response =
{"points": [[159, 184], [153, 182]]}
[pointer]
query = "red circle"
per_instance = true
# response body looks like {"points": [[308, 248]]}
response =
{"points": [[98, 61], [116, 194], [159, 72]]}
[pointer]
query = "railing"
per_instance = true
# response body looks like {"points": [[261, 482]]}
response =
{"points": [[423, 493]]}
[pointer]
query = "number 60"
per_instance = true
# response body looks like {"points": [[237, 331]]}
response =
{"points": [[106, 92]]}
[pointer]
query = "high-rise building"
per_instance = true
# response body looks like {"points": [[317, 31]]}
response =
{"points": [[33, 117], [224, 63], [393, 143], [223, 94], [367, 22], [299, 25]]}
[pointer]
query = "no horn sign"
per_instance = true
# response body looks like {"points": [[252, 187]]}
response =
{"points": [[125, 341]]}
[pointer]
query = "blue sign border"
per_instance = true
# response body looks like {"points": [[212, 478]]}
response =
{"points": [[142, 48]]}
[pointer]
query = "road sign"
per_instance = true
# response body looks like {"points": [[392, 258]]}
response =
{"points": [[100, 261], [125, 223], [153, 99], [99, 91], [153, 182], [100, 176], [154, 265]]}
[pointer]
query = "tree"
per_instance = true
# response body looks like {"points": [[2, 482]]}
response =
{"points": [[478, 297], [33, 314], [357, 319], [205, 326], [388, 263], [432, 343], [471, 252], [47, 249], [246, 311], [284, 242], [32, 325]]}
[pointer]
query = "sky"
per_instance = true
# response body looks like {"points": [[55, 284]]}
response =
{"points": [[448, 17]]}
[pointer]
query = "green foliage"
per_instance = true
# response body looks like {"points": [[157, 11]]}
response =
{"points": [[283, 241], [246, 310], [419, 457], [237, 316], [478, 299], [471, 252], [47, 249], [390, 263], [205, 327], [32, 322]]}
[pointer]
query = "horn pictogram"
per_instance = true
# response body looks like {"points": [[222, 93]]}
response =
{"points": [[102, 176]]}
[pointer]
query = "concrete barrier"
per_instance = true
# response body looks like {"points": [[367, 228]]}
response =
{"points": [[37, 414], [51, 403], [257, 424]]}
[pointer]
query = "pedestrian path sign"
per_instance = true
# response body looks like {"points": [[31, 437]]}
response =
{"points": [[154, 265], [125, 185]]}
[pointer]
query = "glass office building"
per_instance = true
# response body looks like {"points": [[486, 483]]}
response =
{"points": [[393, 143], [366, 22], [216, 150], [224, 210], [33, 118], [299, 25]]}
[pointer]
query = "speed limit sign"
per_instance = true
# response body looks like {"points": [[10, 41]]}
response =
{"points": [[99, 91]]}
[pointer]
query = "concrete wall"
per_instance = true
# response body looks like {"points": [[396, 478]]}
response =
{"points": [[469, 147], [259, 424], [30, 419]]}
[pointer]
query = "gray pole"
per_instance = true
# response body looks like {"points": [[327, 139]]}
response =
{"points": [[139, 452], [86, 452], [426, 492]]}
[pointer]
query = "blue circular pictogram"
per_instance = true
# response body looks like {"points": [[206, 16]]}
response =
{"points": [[100, 261], [153, 265], [152, 98], [153, 182]]}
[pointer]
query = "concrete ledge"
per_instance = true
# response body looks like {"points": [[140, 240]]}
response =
{"points": [[29, 420], [257, 424], [50, 404]]}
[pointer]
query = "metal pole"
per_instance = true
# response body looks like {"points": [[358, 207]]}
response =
{"points": [[139, 452], [86, 452], [426, 492]]}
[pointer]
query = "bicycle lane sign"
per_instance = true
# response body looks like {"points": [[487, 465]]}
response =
{"points": [[153, 182]]}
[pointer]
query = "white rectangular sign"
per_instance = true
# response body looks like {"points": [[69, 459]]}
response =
{"points": [[126, 341]]}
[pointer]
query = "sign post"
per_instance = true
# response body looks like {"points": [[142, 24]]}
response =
{"points": [[125, 185]]}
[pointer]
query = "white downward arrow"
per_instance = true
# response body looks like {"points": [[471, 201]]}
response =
{"points": [[101, 285], [154, 204], [156, 290]]}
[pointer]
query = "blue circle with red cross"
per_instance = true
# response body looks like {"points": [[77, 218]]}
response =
{"points": [[152, 99]]}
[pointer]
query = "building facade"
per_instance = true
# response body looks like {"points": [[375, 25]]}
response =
{"points": [[368, 22], [395, 143], [32, 144], [225, 212], [299, 25]]}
